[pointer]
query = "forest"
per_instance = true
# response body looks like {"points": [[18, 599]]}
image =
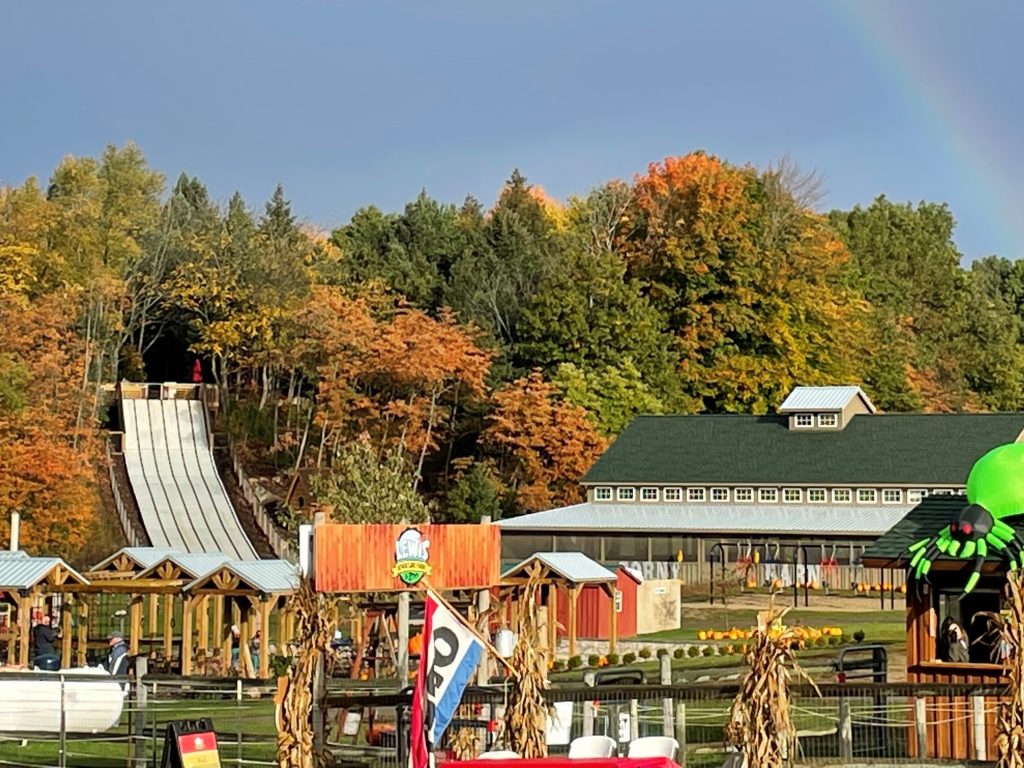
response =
{"points": [[454, 360]]}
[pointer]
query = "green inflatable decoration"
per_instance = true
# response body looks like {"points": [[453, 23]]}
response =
{"points": [[995, 493]]}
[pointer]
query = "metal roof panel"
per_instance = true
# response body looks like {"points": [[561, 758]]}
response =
{"points": [[573, 566], [822, 399]]}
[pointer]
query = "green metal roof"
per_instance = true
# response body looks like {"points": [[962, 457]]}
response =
{"points": [[923, 521], [900, 449]]}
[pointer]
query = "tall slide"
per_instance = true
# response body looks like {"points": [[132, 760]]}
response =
{"points": [[180, 494]]}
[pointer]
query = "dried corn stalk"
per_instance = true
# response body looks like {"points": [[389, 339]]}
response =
{"points": [[760, 724], [314, 616], [526, 716], [464, 744], [1010, 726]]}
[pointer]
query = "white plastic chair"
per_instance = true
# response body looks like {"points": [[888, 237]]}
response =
{"points": [[592, 746], [654, 746], [499, 754]]}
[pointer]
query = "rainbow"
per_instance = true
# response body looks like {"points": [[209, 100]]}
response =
{"points": [[970, 138]]}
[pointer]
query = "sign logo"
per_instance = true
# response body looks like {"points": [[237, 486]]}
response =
{"points": [[411, 555]]}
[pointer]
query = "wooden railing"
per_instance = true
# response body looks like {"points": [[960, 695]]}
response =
{"points": [[280, 540], [135, 537]]}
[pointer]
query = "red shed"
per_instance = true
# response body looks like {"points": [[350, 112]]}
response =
{"points": [[593, 608]]}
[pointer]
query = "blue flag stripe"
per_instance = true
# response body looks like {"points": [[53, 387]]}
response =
{"points": [[445, 709]]}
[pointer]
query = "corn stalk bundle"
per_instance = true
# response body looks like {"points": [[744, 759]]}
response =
{"points": [[1010, 726], [760, 725], [465, 743], [314, 614], [526, 715]]}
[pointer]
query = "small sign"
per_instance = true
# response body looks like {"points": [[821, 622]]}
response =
{"points": [[190, 744], [199, 750], [411, 555]]}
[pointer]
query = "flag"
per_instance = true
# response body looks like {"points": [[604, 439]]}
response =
{"points": [[451, 653]]}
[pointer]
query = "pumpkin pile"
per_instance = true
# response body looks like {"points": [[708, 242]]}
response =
{"points": [[800, 633]]}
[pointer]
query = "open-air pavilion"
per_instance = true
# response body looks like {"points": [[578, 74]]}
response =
{"points": [[568, 571], [191, 600]]}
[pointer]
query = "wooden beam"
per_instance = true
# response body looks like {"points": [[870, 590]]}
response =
{"points": [[226, 638], [574, 593], [154, 620], [24, 627], [552, 619], [218, 624], [65, 632], [283, 617], [186, 637], [613, 633], [135, 625], [83, 629], [168, 628], [265, 637], [203, 624]]}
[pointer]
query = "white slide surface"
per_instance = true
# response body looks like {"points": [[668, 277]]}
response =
{"points": [[181, 497]]}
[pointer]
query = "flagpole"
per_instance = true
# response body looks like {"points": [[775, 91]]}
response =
{"points": [[487, 643]]}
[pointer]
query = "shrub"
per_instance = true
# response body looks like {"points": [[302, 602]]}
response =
{"points": [[645, 653], [662, 652], [557, 665], [708, 651], [575, 662], [821, 642], [834, 640], [679, 653], [858, 636], [612, 659], [594, 660], [693, 651], [628, 658], [729, 650]]}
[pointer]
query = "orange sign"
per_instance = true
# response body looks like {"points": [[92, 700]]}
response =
{"points": [[386, 558], [199, 750]]}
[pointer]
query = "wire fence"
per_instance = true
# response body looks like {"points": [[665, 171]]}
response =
{"points": [[118, 722]]}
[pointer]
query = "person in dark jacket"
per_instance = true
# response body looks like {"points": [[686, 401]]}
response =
{"points": [[43, 638], [954, 642], [117, 660]]}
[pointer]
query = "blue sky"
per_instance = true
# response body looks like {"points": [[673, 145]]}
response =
{"points": [[352, 103]]}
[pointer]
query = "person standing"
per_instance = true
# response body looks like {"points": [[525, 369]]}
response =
{"points": [[43, 638], [117, 659]]}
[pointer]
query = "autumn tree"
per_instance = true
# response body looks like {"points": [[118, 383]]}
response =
{"points": [[365, 485], [542, 445], [750, 280]]}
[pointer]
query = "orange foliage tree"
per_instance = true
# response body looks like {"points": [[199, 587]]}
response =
{"points": [[46, 464], [543, 444]]}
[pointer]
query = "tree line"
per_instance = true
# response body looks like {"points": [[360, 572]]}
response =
{"points": [[472, 359]]}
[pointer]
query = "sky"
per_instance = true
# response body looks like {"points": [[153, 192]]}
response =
{"points": [[355, 103]]}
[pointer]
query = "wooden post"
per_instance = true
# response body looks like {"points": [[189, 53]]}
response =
{"points": [[203, 624], [65, 632], [921, 727], [613, 631], [282, 631], [218, 627], [845, 730], [154, 605], [265, 605], [135, 622], [574, 593], [665, 669], [978, 720], [483, 604], [186, 636], [244, 640], [552, 619], [226, 638], [83, 629], [168, 629], [139, 740], [681, 731], [403, 637], [24, 628]]}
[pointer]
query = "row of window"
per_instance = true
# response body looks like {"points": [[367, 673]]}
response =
{"points": [[766, 495], [825, 420]]}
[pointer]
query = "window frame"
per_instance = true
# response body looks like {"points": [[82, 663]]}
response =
{"points": [[622, 490], [736, 495], [822, 500], [762, 492], [675, 491], [847, 500], [604, 488], [798, 416], [718, 489], [799, 495], [872, 491], [643, 494], [697, 494], [834, 417], [921, 493], [897, 491]]}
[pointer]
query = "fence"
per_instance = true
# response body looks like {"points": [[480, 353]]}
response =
{"points": [[865, 724]]}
